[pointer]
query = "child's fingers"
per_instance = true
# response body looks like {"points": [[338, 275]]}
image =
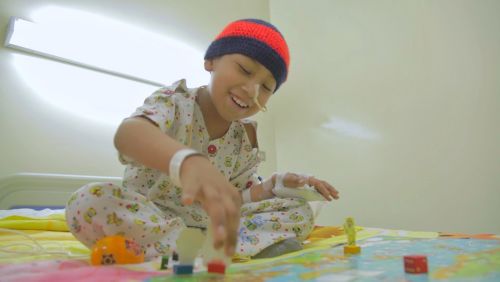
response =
{"points": [[333, 191], [217, 214], [232, 224], [321, 188], [324, 187], [232, 204], [223, 208]]}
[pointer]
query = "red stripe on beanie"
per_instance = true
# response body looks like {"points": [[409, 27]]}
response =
{"points": [[260, 32]]}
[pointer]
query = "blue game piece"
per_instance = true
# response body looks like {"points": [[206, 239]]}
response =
{"points": [[183, 269]]}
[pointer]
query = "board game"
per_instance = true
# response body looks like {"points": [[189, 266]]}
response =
{"points": [[381, 259]]}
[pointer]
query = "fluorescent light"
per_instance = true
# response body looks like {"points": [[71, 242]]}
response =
{"points": [[90, 95], [138, 60], [108, 46]]}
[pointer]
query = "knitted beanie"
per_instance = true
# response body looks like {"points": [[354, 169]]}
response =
{"points": [[256, 39]]}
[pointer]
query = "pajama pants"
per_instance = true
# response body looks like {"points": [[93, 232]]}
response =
{"points": [[103, 209]]}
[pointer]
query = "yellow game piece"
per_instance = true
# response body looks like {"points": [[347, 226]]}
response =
{"points": [[352, 249], [350, 231]]}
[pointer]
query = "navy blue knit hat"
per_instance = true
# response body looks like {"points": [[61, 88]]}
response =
{"points": [[256, 39]]}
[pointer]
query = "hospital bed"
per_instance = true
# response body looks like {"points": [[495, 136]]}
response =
{"points": [[43, 190], [35, 245]]}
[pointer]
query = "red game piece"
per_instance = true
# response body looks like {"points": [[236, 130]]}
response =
{"points": [[216, 266], [415, 264]]}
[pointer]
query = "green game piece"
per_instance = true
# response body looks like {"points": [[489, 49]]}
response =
{"points": [[164, 262]]}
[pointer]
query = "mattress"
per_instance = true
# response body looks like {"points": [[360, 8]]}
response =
{"points": [[35, 245]]}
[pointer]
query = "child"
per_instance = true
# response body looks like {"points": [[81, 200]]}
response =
{"points": [[191, 155]]}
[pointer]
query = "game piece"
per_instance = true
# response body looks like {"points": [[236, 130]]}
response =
{"points": [[352, 250], [189, 243], [164, 262], [216, 266], [415, 264], [175, 256], [350, 231], [180, 269], [116, 250]]}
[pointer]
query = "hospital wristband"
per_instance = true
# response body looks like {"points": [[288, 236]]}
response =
{"points": [[176, 164], [267, 185]]}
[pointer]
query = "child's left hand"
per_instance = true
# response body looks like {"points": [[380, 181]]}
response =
{"points": [[293, 180]]}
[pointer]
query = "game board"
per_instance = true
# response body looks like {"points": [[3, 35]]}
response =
{"points": [[58, 256], [449, 259]]}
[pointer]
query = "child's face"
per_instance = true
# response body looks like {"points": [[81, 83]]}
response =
{"points": [[233, 82]]}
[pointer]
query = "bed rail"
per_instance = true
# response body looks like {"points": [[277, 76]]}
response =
{"points": [[43, 189]]}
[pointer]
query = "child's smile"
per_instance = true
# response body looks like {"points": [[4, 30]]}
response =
{"points": [[239, 102]]}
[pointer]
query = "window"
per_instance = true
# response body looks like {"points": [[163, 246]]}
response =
{"points": [[96, 67]]}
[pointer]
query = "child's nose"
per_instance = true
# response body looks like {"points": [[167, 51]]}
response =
{"points": [[246, 89], [251, 89]]}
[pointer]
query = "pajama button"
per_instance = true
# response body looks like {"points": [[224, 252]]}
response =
{"points": [[212, 149]]}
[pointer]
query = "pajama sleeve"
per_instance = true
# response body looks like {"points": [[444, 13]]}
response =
{"points": [[160, 109]]}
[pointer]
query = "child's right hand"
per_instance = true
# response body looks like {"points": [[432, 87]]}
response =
{"points": [[293, 180], [202, 182]]}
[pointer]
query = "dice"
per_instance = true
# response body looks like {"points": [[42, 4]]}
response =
{"points": [[415, 264], [216, 266]]}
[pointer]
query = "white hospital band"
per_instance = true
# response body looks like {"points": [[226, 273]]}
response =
{"points": [[267, 186], [176, 164]]}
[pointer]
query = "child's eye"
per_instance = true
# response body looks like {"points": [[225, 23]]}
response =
{"points": [[268, 89], [244, 70]]}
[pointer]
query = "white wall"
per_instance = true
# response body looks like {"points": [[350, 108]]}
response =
{"points": [[38, 137], [413, 90]]}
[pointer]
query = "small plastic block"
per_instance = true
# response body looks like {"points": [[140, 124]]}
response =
{"points": [[175, 256], [415, 264], [352, 250], [216, 266], [164, 262], [180, 269]]}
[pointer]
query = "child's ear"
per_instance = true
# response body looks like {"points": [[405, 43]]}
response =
{"points": [[209, 65]]}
